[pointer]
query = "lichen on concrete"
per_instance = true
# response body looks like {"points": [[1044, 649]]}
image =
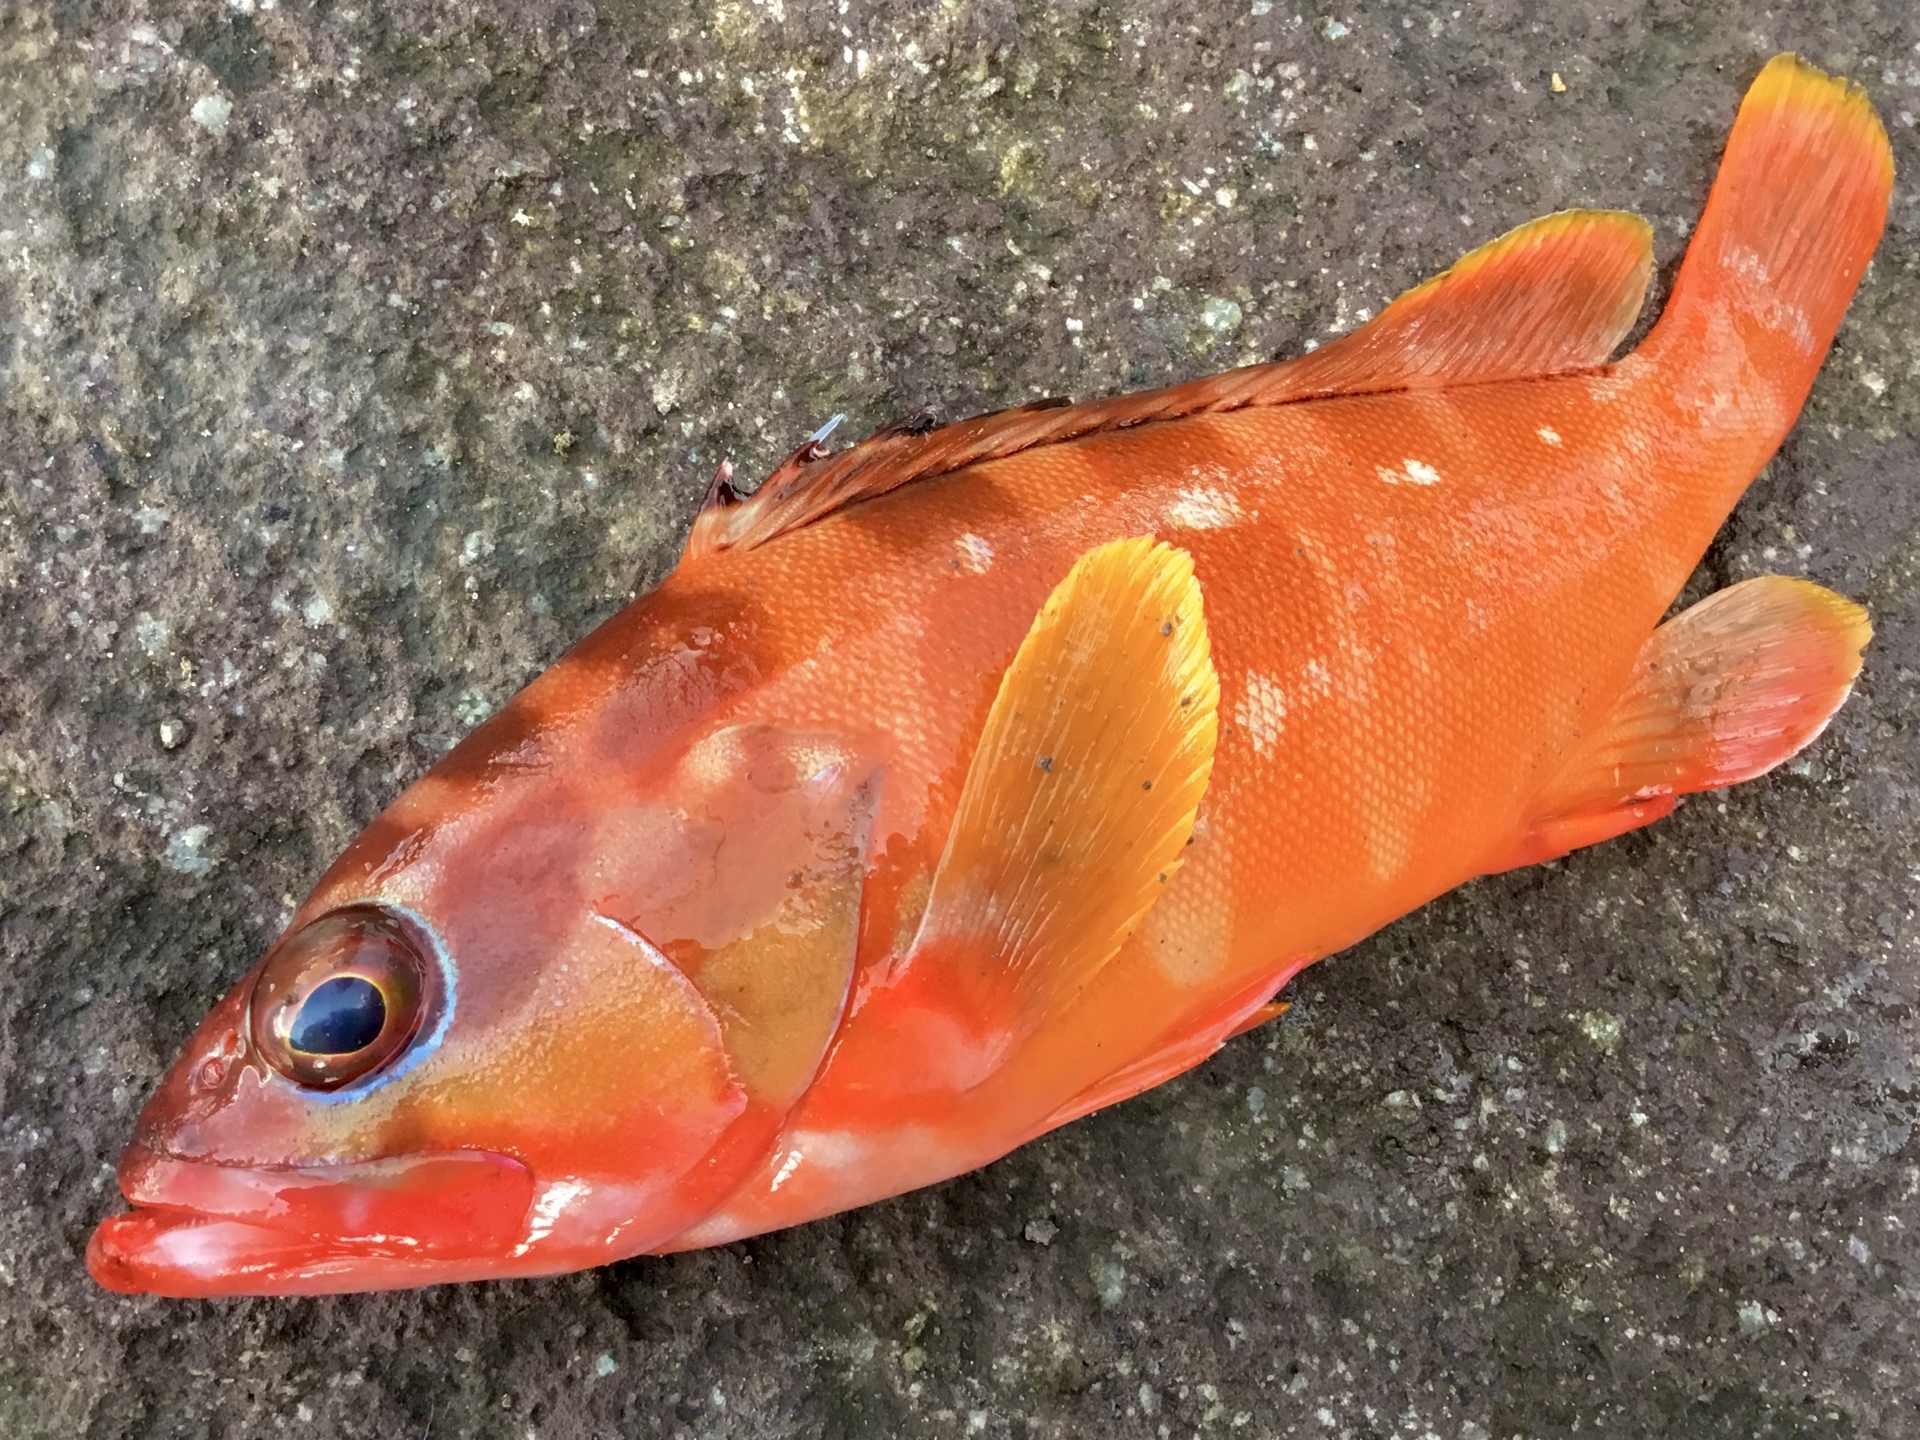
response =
{"points": [[360, 356]]}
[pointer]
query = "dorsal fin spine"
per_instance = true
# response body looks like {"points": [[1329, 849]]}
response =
{"points": [[1552, 297]]}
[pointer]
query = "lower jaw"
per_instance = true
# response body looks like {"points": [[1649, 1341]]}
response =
{"points": [[162, 1252], [199, 1228]]}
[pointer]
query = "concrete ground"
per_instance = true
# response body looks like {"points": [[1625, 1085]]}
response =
{"points": [[360, 356]]}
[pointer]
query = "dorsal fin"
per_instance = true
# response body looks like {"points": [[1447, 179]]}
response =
{"points": [[1555, 295]]}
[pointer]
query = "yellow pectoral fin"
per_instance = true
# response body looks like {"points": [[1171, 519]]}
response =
{"points": [[1081, 794]]}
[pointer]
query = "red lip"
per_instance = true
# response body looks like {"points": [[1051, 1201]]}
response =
{"points": [[201, 1229]]}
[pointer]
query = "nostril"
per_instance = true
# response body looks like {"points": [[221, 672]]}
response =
{"points": [[212, 1072]]}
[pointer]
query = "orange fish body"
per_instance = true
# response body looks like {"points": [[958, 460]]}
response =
{"points": [[967, 781]]}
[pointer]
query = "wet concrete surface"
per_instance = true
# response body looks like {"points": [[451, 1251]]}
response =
{"points": [[360, 357]]}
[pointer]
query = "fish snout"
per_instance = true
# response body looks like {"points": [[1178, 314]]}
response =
{"points": [[200, 1228]]}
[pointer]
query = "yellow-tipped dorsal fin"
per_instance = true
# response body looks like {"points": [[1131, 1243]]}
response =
{"points": [[1557, 294], [1081, 794]]}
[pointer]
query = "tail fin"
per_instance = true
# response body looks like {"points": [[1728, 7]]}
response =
{"points": [[1793, 218]]}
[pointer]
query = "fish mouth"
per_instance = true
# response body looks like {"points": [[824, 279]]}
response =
{"points": [[200, 1228]]}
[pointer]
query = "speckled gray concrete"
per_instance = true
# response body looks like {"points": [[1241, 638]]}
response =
{"points": [[359, 357]]}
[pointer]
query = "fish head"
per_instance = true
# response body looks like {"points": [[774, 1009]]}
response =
{"points": [[542, 1014]]}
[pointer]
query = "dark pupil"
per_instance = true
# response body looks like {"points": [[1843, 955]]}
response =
{"points": [[341, 1016]]}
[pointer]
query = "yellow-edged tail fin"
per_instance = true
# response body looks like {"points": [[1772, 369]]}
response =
{"points": [[1793, 217]]}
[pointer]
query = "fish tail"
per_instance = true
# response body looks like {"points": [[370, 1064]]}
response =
{"points": [[1790, 224]]}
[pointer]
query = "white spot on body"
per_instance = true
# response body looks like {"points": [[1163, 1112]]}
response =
{"points": [[1189, 930], [1548, 434], [976, 555], [1416, 472], [1204, 510], [834, 1149], [1261, 711]]}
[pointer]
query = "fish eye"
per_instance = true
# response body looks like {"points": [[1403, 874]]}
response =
{"points": [[341, 1016], [341, 997]]}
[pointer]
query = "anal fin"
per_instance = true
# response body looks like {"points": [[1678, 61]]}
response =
{"points": [[1192, 1046], [1721, 693]]}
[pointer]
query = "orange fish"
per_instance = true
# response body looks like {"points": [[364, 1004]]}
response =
{"points": [[972, 779]]}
